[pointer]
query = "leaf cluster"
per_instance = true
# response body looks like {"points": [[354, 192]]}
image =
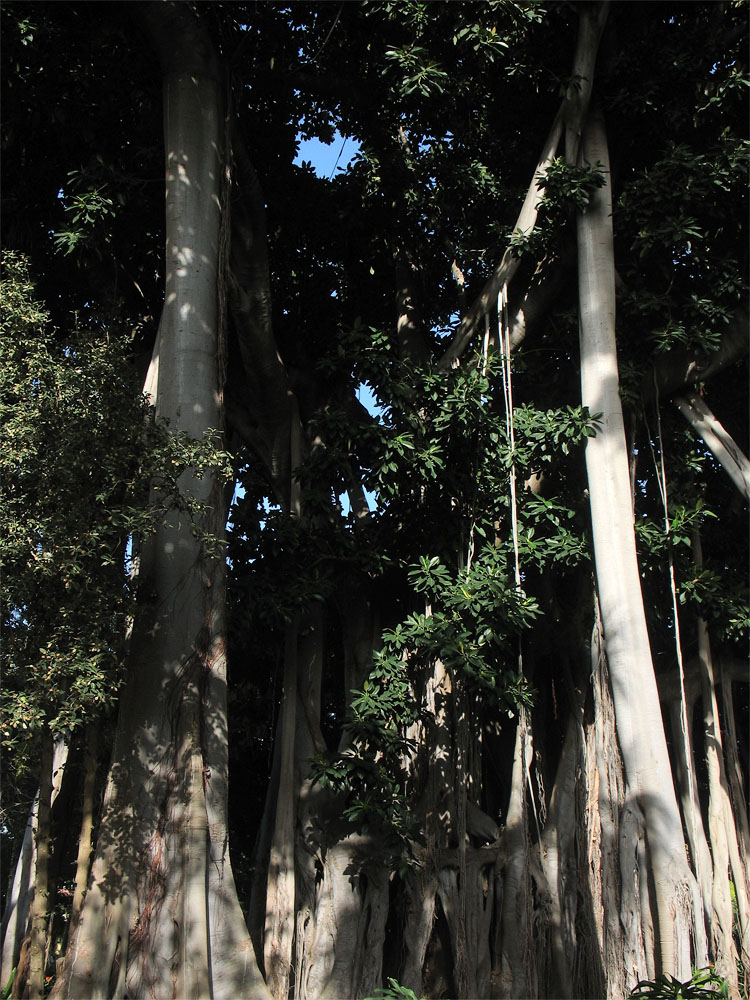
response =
{"points": [[86, 471], [704, 984], [88, 213], [566, 189], [473, 617], [394, 991], [678, 217]]}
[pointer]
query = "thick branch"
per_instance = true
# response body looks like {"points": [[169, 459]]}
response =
{"points": [[570, 117], [409, 326], [679, 368], [634, 691], [508, 266], [669, 681], [543, 289], [722, 445]]}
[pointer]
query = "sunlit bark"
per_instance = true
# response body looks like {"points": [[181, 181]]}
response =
{"points": [[90, 766], [568, 123], [636, 698], [723, 447], [40, 905], [161, 916]]}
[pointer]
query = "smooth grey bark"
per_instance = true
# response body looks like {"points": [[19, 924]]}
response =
{"points": [[612, 858], [508, 266], [719, 817], [16, 916], [90, 768], [161, 915], [639, 723], [568, 123], [409, 327], [558, 859], [546, 284], [280, 893], [262, 406], [418, 922], [19, 900], [722, 827], [431, 785], [516, 974], [727, 673], [732, 669], [40, 903], [689, 798], [736, 825], [723, 447], [341, 890]]}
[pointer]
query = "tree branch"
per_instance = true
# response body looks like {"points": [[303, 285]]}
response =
{"points": [[570, 117], [409, 326], [733, 669], [543, 289], [268, 401], [679, 368], [718, 440], [506, 269]]}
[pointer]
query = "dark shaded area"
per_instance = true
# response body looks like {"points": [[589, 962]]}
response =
{"points": [[437, 182]]}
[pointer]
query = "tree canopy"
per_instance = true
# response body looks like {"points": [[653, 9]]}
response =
{"points": [[320, 522]]}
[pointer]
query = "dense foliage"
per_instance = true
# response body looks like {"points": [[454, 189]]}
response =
{"points": [[425, 546], [87, 475]]}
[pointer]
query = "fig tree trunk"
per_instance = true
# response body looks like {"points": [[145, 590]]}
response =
{"points": [[161, 916], [636, 699]]}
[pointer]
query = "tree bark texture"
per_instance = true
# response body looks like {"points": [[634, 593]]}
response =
{"points": [[580, 899], [90, 768], [21, 895], [161, 916], [728, 862], [568, 123], [40, 905], [723, 447], [636, 698]]}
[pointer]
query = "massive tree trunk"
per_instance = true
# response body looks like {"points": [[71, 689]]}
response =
{"points": [[576, 899], [636, 699], [161, 916]]}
